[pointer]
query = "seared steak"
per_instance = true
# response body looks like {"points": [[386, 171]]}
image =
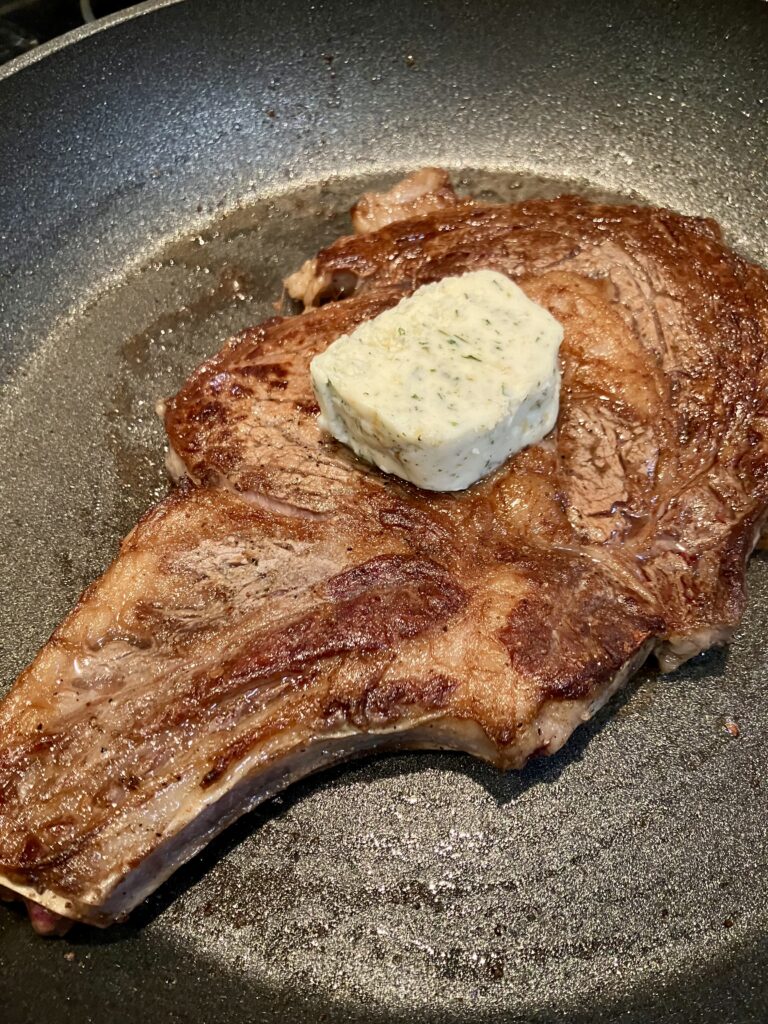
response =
{"points": [[287, 605]]}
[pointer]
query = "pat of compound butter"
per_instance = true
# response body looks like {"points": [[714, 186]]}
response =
{"points": [[447, 384]]}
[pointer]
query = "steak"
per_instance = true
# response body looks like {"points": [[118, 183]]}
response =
{"points": [[287, 606]]}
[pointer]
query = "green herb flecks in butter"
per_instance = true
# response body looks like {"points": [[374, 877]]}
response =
{"points": [[447, 384]]}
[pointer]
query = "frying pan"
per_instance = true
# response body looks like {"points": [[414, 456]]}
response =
{"points": [[159, 172]]}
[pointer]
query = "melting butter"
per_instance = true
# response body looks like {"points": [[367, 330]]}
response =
{"points": [[443, 387]]}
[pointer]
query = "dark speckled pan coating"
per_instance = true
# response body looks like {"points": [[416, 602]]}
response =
{"points": [[625, 879]]}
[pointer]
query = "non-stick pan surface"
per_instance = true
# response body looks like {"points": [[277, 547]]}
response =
{"points": [[157, 177]]}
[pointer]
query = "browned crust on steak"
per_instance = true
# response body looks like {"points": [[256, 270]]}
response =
{"points": [[288, 605]]}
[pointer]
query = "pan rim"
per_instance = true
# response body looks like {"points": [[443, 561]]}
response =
{"points": [[77, 35]]}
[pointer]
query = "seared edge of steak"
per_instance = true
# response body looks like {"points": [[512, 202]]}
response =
{"points": [[547, 734], [417, 195]]}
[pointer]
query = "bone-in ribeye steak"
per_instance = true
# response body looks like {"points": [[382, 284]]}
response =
{"points": [[287, 605]]}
